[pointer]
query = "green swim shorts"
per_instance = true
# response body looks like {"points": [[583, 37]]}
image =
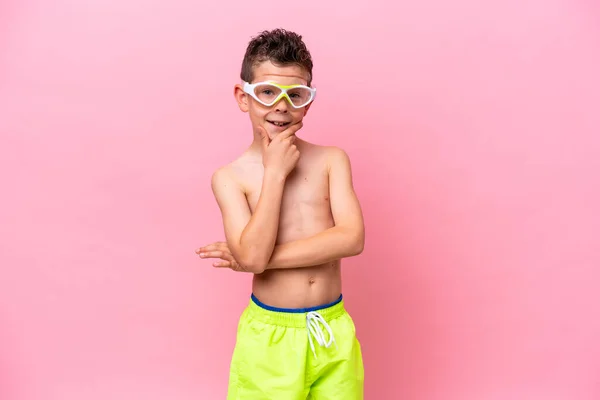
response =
{"points": [[293, 354]]}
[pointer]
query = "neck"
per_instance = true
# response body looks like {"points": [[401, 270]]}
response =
{"points": [[256, 146]]}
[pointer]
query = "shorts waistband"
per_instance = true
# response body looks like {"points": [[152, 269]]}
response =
{"points": [[293, 317]]}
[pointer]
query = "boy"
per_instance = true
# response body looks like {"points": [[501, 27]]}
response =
{"points": [[290, 214]]}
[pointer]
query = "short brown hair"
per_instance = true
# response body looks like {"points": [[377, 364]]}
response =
{"points": [[278, 46]]}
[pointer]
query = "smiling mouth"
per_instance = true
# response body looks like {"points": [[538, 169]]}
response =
{"points": [[279, 124]]}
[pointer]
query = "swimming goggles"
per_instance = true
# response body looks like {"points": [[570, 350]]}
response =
{"points": [[269, 93]]}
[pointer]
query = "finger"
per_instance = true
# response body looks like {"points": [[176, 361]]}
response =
{"points": [[293, 150], [217, 254], [290, 139], [222, 264], [212, 247], [236, 267], [290, 131], [206, 248], [211, 254], [295, 156]]}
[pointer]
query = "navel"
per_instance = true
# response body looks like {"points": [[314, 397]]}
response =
{"points": [[311, 280]]}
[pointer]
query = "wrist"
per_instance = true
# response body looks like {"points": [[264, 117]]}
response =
{"points": [[274, 175]]}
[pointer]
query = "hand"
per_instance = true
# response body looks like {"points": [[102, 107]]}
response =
{"points": [[221, 251], [280, 154]]}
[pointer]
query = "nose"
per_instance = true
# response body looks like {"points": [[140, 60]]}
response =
{"points": [[282, 105]]}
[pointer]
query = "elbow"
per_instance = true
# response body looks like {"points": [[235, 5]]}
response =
{"points": [[251, 259], [256, 268], [357, 243], [253, 263], [359, 247]]}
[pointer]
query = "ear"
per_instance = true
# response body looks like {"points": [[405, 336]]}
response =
{"points": [[241, 97]]}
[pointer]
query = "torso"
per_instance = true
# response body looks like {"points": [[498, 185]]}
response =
{"points": [[305, 211]]}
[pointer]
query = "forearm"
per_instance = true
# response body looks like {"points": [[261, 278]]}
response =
{"points": [[330, 245], [259, 237]]}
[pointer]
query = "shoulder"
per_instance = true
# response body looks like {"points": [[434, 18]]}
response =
{"points": [[232, 175], [224, 177], [336, 152], [225, 186], [330, 157], [336, 157], [331, 154], [221, 176]]}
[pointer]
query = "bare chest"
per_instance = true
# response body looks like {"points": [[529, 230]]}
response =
{"points": [[303, 189], [305, 207]]}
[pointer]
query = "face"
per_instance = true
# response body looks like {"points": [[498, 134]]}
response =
{"points": [[278, 117]]}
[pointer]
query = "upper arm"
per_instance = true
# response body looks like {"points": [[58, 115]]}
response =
{"points": [[345, 206], [234, 208]]}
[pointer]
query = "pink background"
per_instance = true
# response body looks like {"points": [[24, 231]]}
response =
{"points": [[474, 133]]}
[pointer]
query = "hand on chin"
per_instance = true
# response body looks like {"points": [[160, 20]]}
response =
{"points": [[273, 130]]}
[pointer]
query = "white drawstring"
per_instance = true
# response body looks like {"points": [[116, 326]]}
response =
{"points": [[313, 319]]}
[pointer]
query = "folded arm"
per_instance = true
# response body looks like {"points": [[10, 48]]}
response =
{"points": [[250, 236], [345, 239]]}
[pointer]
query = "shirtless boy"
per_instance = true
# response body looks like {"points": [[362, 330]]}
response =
{"points": [[290, 214]]}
